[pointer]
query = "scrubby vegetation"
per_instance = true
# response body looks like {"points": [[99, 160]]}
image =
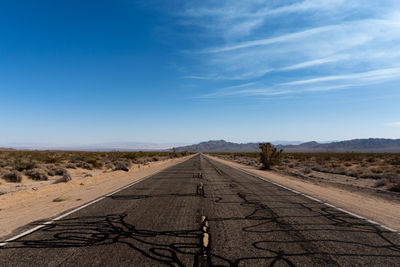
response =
{"points": [[12, 176], [40, 165], [269, 155], [384, 168]]}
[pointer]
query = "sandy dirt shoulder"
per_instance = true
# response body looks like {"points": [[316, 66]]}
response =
{"points": [[19, 209], [380, 210]]}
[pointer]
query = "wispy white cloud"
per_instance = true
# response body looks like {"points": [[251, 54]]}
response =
{"points": [[342, 44], [273, 91], [374, 75], [315, 62], [242, 17], [238, 76], [269, 41]]}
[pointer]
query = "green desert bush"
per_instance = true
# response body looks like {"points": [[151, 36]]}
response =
{"points": [[269, 155]]}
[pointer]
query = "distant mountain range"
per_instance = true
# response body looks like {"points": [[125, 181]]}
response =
{"points": [[112, 146], [355, 145]]}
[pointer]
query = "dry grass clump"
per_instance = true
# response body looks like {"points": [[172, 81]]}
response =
{"points": [[59, 199]]}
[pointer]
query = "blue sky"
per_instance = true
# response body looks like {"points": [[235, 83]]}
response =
{"points": [[83, 72]]}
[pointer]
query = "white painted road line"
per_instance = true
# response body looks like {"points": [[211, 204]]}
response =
{"points": [[318, 200]]}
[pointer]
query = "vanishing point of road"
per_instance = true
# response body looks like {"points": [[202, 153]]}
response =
{"points": [[204, 213]]}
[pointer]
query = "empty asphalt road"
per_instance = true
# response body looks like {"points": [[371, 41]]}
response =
{"points": [[203, 213]]}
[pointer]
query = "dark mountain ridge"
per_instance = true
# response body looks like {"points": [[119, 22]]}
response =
{"points": [[355, 145]]}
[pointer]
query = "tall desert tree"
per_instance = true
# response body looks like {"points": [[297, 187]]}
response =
{"points": [[269, 155]]}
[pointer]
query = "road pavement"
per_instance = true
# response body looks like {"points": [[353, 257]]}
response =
{"points": [[204, 213]]}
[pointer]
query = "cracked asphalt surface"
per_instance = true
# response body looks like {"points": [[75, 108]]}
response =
{"points": [[204, 213]]}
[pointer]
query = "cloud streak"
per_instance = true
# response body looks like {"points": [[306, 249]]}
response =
{"points": [[269, 41], [327, 45], [374, 75]]}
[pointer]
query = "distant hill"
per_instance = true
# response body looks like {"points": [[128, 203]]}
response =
{"points": [[220, 146], [355, 145], [7, 149]]}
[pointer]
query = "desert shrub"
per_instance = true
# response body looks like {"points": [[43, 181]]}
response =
{"points": [[306, 170], [317, 168], [109, 165], [3, 163], [130, 155], [339, 170], [53, 170], [36, 174], [352, 173], [371, 160], [335, 165], [320, 161], [174, 154], [13, 176], [70, 166], [269, 155], [185, 153], [83, 165], [67, 177], [395, 161], [59, 199], [22, 165], [50, 159], [376, 170], [121, 166], [64, 179], [380, 183], [395, 188], [94, 163], [155, 158]]}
